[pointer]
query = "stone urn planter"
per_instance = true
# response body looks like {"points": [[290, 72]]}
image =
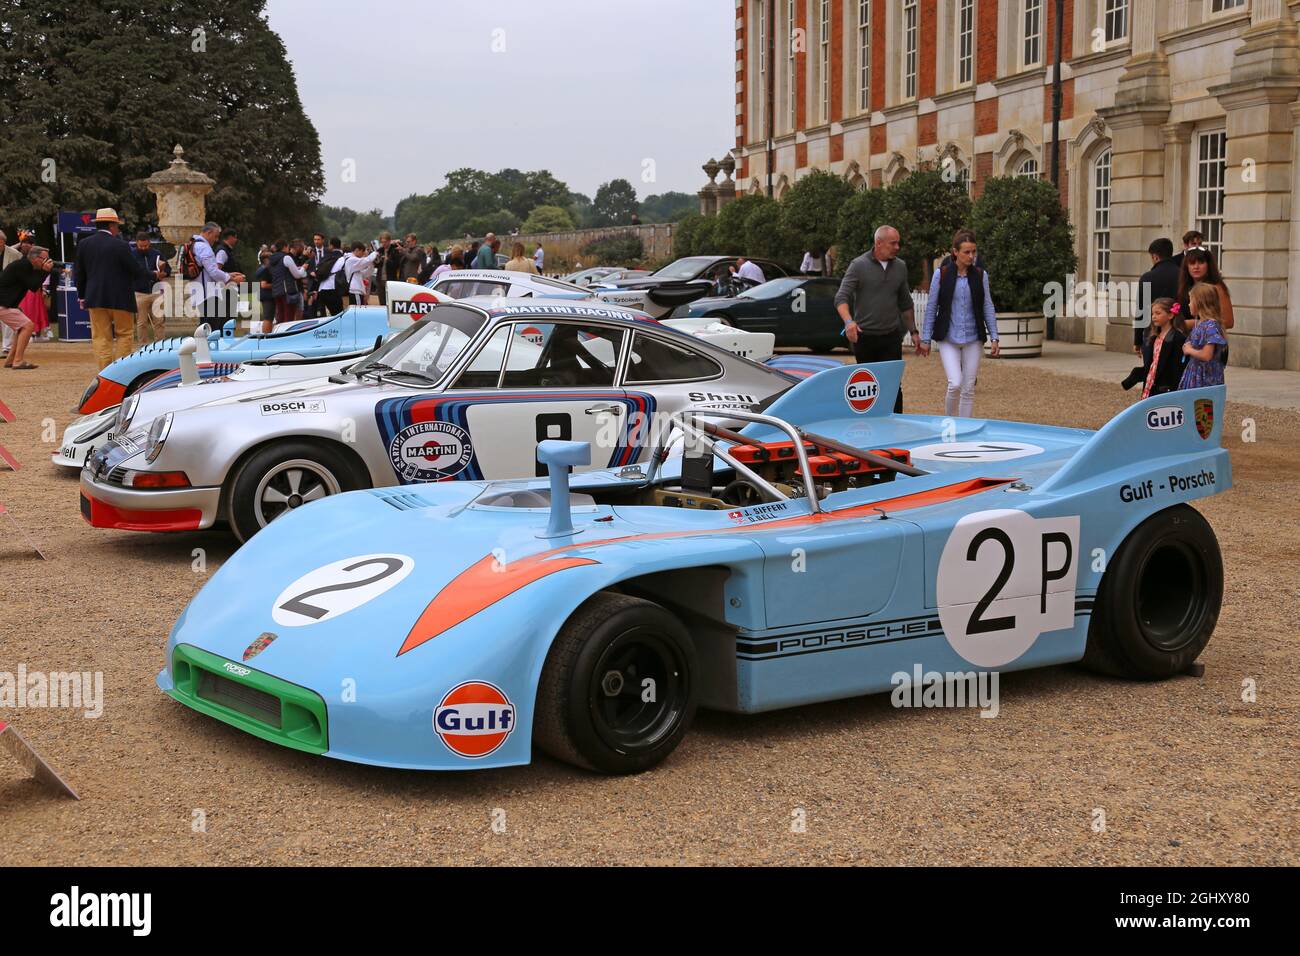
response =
{"points": [[1021, 334]]}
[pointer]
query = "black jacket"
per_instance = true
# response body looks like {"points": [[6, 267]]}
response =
{"points": [[106, 272], [1169, 372], [1158, 282], [17, 279]]}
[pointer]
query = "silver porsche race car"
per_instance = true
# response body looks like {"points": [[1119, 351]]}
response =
{"points": [[224, 380], [466, 393]]}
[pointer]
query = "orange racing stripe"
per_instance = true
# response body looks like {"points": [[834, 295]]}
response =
{"points": [[484, 583]]}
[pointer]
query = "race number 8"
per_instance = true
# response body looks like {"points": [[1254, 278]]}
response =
{"points": [[1004, 579]]}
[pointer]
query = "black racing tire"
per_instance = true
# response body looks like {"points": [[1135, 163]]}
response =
{"points": [[589, 717], [269, 472], [1159, 598]]}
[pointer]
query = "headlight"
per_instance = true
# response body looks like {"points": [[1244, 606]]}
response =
{"points": [[157, 436], [126, 412]]}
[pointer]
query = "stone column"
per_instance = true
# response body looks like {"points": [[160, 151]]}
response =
{"points": [[1137, 183], [709, 194], [1257, 100], [1291, 359], [1178, 139], [179, 191]]}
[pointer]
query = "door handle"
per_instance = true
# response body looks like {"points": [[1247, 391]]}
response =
{"points": [[605, 409]]}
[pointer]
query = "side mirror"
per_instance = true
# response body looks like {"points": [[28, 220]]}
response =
{"points": [[202, 353], [559, 457], [189, 369], [228, 330]]}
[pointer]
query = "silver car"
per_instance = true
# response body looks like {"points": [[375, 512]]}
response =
{"points": [[465, 393], [656, 302]]}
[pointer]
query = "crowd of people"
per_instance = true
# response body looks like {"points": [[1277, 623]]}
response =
{"points": [[1184, 309]]}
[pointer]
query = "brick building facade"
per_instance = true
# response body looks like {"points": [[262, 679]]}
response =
{"points": [[1176, 114]]}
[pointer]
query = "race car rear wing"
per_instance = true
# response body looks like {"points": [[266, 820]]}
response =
{"points": [[1176, 427]]}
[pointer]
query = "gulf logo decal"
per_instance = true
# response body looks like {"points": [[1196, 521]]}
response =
{"points": [[474, 718], [532, 334], [861, 390]]}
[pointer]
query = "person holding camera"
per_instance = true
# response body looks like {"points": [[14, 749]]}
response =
{"points": [[23, 275]]}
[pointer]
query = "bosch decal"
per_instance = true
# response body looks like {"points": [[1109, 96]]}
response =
{"points": [[314, 406]]}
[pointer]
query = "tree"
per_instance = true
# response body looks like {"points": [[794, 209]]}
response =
{"points": [[620, 249], [856, 226], [580, 210], [615, 204], [547, 219], [500, 222], [766, 235], [810, 210], [95, 100], [472, 197], [685, 232], [926, 208], [729, 232], [1025, 240], [668, 207], [364, 227]]}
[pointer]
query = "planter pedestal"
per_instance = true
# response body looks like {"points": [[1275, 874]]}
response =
{"points": [[1021, 334]]}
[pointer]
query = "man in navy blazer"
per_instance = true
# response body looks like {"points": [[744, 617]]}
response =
{"points": [[106, 274]]}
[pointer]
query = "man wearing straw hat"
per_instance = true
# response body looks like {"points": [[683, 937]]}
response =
{"points": [[106, 274]]}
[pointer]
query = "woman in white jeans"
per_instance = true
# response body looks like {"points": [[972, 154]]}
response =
{"points": [[959, 317]]}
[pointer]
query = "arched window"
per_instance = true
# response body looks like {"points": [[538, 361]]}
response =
{"points": [[1028, 168], [1099, 220]]}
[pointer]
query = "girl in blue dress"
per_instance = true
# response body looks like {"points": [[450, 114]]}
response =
{"points": [[1205, 342]]}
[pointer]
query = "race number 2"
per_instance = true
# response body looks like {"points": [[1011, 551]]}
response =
{"points": [[1006, 577], [338, 588]]}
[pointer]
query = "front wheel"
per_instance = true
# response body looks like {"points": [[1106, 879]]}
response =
{"points": [[282, 477], [1159, 598], [617, 691]]}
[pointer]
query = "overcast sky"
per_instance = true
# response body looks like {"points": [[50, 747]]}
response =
{"points": [[589, 89]]}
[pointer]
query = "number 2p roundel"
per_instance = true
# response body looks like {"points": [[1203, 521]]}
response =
{"points": [[339, 587], [1005, 577]]}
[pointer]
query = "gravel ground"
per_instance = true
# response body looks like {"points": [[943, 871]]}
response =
{"points": [[1185, 771]]}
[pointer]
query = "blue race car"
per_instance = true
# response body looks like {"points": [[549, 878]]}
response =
{"points": [[821, 553], [352, 329]]}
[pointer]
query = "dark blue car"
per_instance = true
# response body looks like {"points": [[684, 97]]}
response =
{"points": [[799, 310]]}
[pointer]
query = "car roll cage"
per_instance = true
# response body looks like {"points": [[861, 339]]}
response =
{"points": [[690, 422]]}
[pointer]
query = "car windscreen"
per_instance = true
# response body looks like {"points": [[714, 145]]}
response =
{"points": [[770, 290], [687, 268], [428, 347]]}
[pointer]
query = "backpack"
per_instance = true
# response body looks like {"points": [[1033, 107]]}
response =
{"points": [[189, 262], [326, 266]]}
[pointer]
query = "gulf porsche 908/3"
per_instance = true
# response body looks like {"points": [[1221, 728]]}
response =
{"points": [[354, 328], [825, 550], [464, 394]]}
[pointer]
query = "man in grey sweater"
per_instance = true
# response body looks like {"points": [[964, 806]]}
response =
{"points": [[875, 304]]}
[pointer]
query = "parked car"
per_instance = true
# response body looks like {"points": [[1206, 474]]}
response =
{"points": [[657, 302], [465, 393], [713, 270], [354, 328], [799, 311], [835, 551]]}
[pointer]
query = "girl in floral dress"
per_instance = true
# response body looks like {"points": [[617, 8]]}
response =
{"points": [[1205, 343]]}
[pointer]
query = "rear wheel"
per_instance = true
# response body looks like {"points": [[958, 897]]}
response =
{"points": [[1159, 599], [282, 477], [617, 691]]}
